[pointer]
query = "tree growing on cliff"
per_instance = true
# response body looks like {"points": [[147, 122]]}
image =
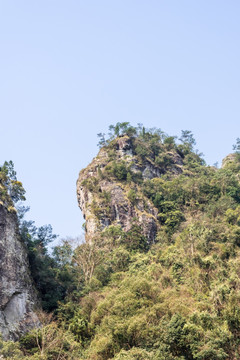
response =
{"points": [[102, 140], [187, 139], [236, 147], [8, 179]]}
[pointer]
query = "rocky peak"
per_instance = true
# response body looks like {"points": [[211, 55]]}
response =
{"points": [[124, 146], [108, 188]]}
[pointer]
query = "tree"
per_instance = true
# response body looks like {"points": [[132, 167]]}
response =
{"points": [[50, 341], [102, 140], [236, 146], [44, 268], [87, 256], [134, 239], [169, 142], [63, 253], [121, 129], [8, 178], [187, 139]]}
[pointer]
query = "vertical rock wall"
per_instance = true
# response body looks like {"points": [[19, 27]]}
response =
{"points": [[17, 294]]}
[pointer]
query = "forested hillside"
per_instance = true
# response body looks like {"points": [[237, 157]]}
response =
{"points": [[159, 274]]}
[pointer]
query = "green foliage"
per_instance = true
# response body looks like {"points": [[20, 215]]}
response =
{"points": [[102, 140], [134, 354], [135, 240], [141, 150], [120, 297], [52, 275], [10, 350], [172, 300], [187, 141], [236, 146], [132, 196], [164, 160], [169, 141], [50, 341], [117, 169], [176, 337], [10, 188], [121, 129], [91, 184], [79, 328]]}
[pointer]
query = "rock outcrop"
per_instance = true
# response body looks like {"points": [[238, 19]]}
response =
{"points": [[229, 160], [17, 294], [105, 200]]}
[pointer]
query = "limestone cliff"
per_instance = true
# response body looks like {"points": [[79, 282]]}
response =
{"points": [[17, 294], [108, 189]]}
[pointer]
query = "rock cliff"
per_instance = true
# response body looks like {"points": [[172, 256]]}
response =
{"points": [[108, 191], [17, 294]]}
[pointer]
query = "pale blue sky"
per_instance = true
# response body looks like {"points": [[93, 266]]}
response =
{"points": [[69, 69]]}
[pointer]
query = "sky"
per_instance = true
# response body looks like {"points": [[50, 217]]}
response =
{"points": [[69, 69]]}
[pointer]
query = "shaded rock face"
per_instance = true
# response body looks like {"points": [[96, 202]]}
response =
{"points": [[17, 294], [117, 208]]}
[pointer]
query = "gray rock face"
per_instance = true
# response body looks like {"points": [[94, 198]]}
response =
{"points": [[118, 209], [105, 201], [17, 294]]}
